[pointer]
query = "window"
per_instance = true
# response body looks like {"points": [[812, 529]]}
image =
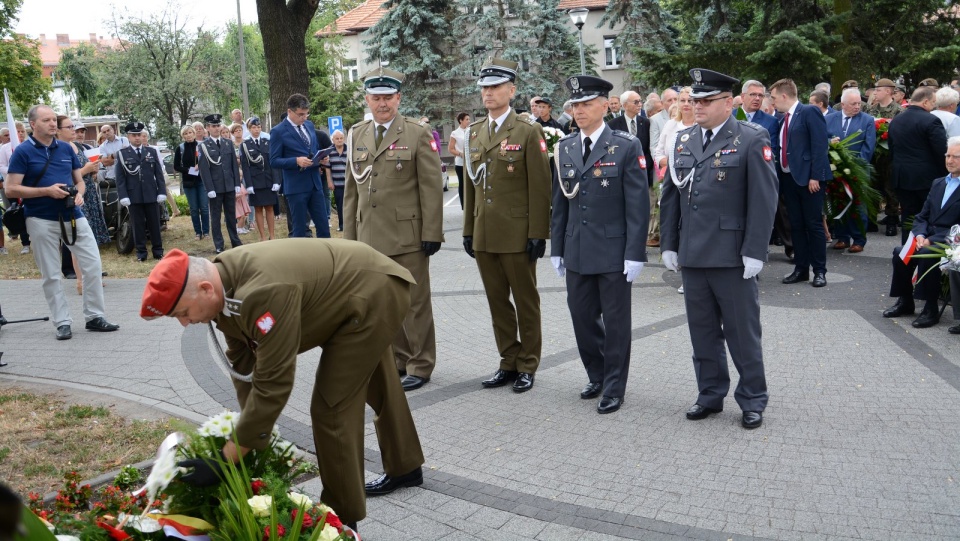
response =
{"points": [[350, 71], [611, 53]]}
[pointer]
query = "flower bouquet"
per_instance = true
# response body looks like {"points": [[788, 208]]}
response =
{"points": [[851, 194], [552, 136], [254, 501], [948, 252], [883, 126]]}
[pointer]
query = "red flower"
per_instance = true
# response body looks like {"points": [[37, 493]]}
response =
{"points": [[281, 531], [307, 519], [333, 520], [884, 136], [257, 485]]}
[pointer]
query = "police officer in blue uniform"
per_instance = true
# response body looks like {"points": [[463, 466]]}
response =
{"points": [[599, 230], [722, 187], [220, 172], [141, 185]]}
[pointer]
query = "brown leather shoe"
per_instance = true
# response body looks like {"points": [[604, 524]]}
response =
{"points": [[855, 249], [840, 245], [653, 243]]}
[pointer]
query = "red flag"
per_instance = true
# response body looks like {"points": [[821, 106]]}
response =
{"points": [[909, 248]]}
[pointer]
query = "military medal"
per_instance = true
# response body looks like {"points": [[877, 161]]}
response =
{"points": [[399, 165], [680, 148], [597, 172], [684, 138], [473, 135], [604, 183], [716, 162], [390, 153], [363, 156], [571, 173]]}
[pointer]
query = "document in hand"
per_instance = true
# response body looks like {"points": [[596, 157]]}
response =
{"points": [[322, 153]]}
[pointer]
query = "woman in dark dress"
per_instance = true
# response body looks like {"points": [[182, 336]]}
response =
{"points": [[262, 181], [92, 206], [185, 162]]}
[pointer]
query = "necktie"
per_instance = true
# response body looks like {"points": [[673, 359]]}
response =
{"points": [[783, 142], [218, 143], [750, 117], [138, 153], [706, 139], [303, 135], [846, 125], [586, 148], [381, 129], [633, 126], [493, 128]]}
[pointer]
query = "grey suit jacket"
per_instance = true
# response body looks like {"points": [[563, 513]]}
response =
{"points": [[727, 209], [606, 222]]}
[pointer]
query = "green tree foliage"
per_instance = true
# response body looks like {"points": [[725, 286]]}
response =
{"points": [[21, 69], [258, 91], [331, 91], [162, 71], [414, 37], [82, 70], [648, 38]]}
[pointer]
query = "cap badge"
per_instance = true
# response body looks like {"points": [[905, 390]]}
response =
{"points": [[575, 83], [697, 76]]}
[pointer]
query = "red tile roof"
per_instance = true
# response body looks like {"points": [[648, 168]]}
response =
{"points": [[50, 48], [369, 13]]}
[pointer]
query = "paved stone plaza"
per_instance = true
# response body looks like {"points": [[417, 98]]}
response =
{"points": [[861, 438]]}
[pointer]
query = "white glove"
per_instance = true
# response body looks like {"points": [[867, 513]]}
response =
{"points": [[558, 265], [161, 198], [250, 190], [275, 188], [632, 269], [670, 260], [751, 267], [125, 201], [236, 190], [212, 195]]}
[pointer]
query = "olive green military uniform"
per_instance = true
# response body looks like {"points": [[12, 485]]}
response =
{"points": [[502, 211], [289, 296], [882, 164], [395, 207]]}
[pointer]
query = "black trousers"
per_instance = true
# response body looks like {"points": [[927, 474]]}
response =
{"points": [[805, 212], [144, 216], [600, 309], [911, 203], [227, 204], [901, 284]]}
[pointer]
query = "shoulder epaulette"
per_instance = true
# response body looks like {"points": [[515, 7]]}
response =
{"points": [[752, 125], [480, 120], [624, 134], [569, 135]]}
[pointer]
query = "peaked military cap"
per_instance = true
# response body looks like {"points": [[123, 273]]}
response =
{"points": [[548, 101], [708, 83], [497, 72], [587, 87], [253, 121], [213, 120], [382, 81], [884, 82], [929, 82], [849, 84], [134, 127]]}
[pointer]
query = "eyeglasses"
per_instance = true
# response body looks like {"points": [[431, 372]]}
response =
{"points": [[758, 95], [707, 101]]}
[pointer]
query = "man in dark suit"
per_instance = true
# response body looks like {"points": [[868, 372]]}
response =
{"points": [[598, 227], [220, 173], [803, 168], [293, 144], [917, 140], [941, 210], [851, 122], [634, 124], [752, 94], [723, 188], [141, 185]]}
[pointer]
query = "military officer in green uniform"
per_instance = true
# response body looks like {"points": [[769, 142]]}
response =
{"points": [[274, 300], [884, 106], [393, 201], [507, 220]]}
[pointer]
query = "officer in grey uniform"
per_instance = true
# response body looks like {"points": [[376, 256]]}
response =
{"points": [[599, 232], [220, 172], [141, 185], [722, 187]]}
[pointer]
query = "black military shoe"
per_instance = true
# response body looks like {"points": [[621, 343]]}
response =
{"points": [[592, 390], [752, 419], [101, 325], [500, 378], [609, 404], [796, 277], [927, 318], [410, 383], [524, 383], [891, 230], [819, 279], [386, 484], [64, 332], [903, 307], [697, 412]]}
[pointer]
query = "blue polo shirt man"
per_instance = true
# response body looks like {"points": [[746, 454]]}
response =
{"points": [[41, 170]]}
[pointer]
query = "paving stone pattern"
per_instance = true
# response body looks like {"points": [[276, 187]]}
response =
{"points": [[860, 439]]}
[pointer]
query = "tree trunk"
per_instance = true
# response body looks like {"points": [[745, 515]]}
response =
{"points": [[841, 71], [283, 26]]}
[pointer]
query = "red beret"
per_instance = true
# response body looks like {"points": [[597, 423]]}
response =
{"points": [[165, 285]]}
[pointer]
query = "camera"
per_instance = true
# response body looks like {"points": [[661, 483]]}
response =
{"points": [[70, 201]]}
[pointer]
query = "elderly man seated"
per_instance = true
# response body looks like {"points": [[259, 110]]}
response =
{"points": [[940, 212]]}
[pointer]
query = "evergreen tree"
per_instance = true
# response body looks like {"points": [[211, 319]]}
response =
{"points": [[414, 38], [331, 92], [649, 42]]}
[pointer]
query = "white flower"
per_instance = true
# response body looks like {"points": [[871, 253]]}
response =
{"points": [[163, 472], [833, 167], [846, 171], [300, 500], [329, 533], [260, 505], [324, 508], [67, 538]]}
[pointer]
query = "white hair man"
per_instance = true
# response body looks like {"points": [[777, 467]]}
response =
{"points": [[947, 99], [667, 99]]}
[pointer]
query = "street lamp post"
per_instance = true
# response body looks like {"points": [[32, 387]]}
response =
{"points": [[579, 18], [243, 64]]}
